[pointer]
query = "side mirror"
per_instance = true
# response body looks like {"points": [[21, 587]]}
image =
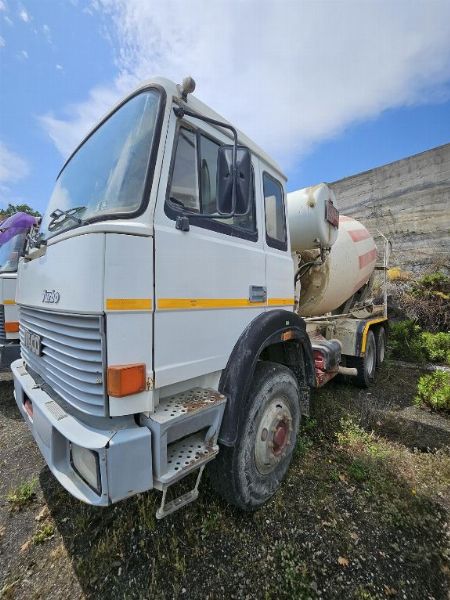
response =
{"points": [[243, 174]]}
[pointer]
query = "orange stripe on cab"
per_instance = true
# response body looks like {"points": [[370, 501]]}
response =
{"points": [[128, 304], [281, 301], [205, 303], [218, 303]]}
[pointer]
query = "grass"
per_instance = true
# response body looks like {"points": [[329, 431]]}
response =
{"points": [[437, 346], [425, 301], [7, 592], [405, 341], [408, 342], [357, 470], [359, 516], [436, 282], [45, 532], [294, 580], [433, 391], [23, 495], [375, 464]]}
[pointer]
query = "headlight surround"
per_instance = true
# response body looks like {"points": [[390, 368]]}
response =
{"points": [[86, 464]]}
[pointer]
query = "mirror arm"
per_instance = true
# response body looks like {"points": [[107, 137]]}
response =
{"points": [[180, 113]]}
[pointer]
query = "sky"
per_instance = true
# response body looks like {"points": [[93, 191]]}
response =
{"points": [[328, 88]]}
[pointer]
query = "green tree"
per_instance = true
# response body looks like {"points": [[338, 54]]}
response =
{"points": [[14, 208]]}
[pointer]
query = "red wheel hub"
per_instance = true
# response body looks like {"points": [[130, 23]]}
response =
{"points": [[280, 437], [273, 435]]}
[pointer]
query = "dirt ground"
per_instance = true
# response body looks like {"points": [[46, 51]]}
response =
{"points": [[363, 514]]}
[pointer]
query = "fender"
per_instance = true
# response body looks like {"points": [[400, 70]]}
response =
{"points": [[362, 332], [264, 331]]}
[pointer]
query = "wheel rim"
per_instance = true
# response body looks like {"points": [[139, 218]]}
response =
{"points": [[274, 436], [370, 358]]}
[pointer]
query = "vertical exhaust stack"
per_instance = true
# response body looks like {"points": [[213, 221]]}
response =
{"points": [[336, 254]]}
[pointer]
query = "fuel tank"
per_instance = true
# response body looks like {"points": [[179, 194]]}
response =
{"points": [[347, 268]]}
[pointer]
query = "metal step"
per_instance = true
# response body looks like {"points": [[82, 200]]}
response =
{"points": [[176, 408], [186, 456], [184, 430], [193, 416], [167, 508]]}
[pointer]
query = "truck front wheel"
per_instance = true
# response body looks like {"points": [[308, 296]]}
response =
{"points": [[248, 474]]}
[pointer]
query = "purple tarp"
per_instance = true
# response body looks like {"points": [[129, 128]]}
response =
{"points": [[17, 223]]}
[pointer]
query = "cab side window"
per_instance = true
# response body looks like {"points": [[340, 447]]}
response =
{"points": [[193, 186], [184, 190], [208, 174], [275, 213]]}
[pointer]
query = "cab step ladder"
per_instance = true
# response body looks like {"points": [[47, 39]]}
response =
{"points": [[184, 430]]}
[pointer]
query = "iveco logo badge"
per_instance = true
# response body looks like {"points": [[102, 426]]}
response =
{"points": [[51, 296], [32, 341]]}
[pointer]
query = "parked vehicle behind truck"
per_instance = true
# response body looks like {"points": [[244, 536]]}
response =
{"points": [[160, 308], [13, 234]]}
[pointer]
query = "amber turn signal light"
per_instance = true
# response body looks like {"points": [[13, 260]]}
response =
{"points": [[12, 327], [124, 380]]}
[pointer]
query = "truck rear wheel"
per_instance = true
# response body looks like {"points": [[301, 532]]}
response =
{"points": [[248, 474], [381, 346], [365, 365]]}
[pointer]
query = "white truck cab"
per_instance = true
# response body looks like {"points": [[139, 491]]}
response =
{"points": [[157, 314], [13, 233]]}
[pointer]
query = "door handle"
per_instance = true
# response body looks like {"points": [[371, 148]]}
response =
{"points": [[257, 293]]}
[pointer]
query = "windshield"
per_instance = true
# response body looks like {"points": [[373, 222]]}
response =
{"points": [[106, 176], [11, 250]]}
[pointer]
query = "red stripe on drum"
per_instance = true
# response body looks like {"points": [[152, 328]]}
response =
{"points": [[358, 234], [367, 258]]}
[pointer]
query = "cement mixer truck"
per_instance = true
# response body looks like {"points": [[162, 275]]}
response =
{"points": [[177, 307], [13, 233]]}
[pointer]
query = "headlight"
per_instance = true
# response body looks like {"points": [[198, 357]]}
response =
{"points": [[85, 462]]}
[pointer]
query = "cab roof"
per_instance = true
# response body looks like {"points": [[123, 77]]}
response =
{"points": [[196, 105]]}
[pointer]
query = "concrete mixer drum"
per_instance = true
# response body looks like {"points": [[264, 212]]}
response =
{"points": [[313, 218], [328, 284]]}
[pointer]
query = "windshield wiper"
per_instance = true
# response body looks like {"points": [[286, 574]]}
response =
{"points": [[59, 217]]}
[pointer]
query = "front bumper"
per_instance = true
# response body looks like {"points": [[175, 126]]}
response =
{"points": [[9, 352], [125, 455]]}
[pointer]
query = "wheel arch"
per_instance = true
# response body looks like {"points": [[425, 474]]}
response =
{"points": [[363, 331], [277, 335]]}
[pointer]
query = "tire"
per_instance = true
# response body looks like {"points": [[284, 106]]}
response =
{"points": [[365, 365], [250, 473], [381, 340]]}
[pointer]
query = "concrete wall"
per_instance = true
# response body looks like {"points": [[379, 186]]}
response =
{"points": [[409, 201]]}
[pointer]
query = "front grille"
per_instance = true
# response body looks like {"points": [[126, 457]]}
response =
{"points": [[71, 360], [2, 324]]}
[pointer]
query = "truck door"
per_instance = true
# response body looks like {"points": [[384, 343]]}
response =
{"points": [[210, 280], [279, 263]]}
